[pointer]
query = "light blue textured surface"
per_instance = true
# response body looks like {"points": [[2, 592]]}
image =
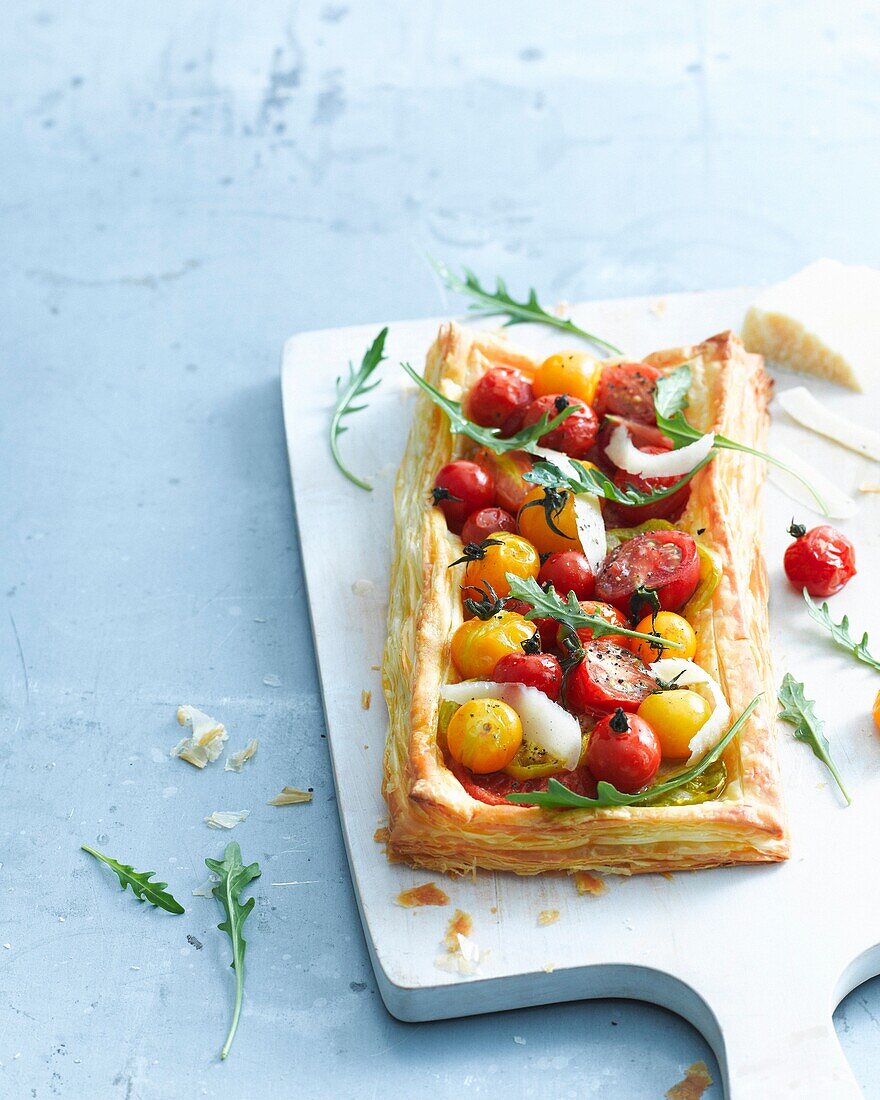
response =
{"points": [[182, 186]]}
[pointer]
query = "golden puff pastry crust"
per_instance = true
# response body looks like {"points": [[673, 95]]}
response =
{"points": [[433, 821]]}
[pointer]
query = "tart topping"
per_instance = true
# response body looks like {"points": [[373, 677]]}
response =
{"points": [[663, 563]]}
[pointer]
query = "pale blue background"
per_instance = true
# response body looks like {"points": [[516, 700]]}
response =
{"points": [[182, 186]]}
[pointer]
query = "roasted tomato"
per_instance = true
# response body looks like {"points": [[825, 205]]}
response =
{"points": [[571, 372], [479, 644], [603, 611], [675, 717], [499, 399], [631, 515], [506, 471], [484, 735], [665, 563], [608, 677], [575, 435], [546, 628], [568, 571], [489, 562], [480, 525], [627, 389], [537, 670], [670, 628], [547, 519], [821, 560], [493, 789], [624, 751], [460, 488]]}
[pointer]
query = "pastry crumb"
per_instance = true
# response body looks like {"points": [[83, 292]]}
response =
{"points": [[666, 874], [587, 883], [460, 924], [548, 916], [376, 668], [695, 1083], [366, 699], [462, 955], [658, 308], [548, 968], [493, 909], [429, 893], [383, 835]]}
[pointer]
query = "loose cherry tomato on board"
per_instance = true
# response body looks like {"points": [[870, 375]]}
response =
{"points": [[490, 561], [575, 435], [547, 519], [670, 628], [624, 751], [537, 670], [572, 372], [568, 571], [821, 560], [484, 735], [460, 488], [479, 644], [631, 515], [602, 611], [627, 389], [499, 399], [675, 717], [506, 471], [665, 563], [480, 525], [608, 677]]}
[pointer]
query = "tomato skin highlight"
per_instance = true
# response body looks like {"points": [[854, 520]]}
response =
{"points": [[487, 521], [511, 554], [470, 483], [628, 758], [665, 562], [479, 644], [533, 522], [484, 735], [822, 560], [627, 389], [506, 471], [575, 435], [499, 399], [608, 677], [568, 571], [538, 670]]}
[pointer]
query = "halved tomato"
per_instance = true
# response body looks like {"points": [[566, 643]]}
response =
{"points": [[627, 389], [494, 788], [507, 471], [608, 677], [665, 563]]}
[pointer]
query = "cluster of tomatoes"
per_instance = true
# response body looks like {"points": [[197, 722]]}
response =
{"points": [[509, 526]]}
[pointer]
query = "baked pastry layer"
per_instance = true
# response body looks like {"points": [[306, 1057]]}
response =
{"points": [[433, 821]]}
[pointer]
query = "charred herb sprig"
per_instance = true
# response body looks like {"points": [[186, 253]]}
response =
{"points": [[139, 881], [808, 726], [357, 385]]}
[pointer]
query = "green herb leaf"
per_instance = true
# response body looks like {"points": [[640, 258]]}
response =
{"points": [[489, 303], [548, 605], [459, 424], [592, 480], [234, 877], [356, 385], [559, 797], [671, 391], [139, 881], [840, 633], [808, 726]]}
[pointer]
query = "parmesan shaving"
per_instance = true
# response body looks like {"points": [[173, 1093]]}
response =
{"points": [[205, 743], [685, 673], [587, 513], [207, 887], [226, 819], [237, 760], [290, 796], [625, 454], [809, 412]]}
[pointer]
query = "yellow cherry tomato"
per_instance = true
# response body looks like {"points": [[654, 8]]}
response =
{"points": [[574, 373], [511, 554], [541, 511], [484, 735], [876, 711], [671, 628], [479, 644], [675, 716]]}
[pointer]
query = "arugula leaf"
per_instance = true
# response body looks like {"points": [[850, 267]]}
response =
{"points": [[808, 726], [356, 385], [488, 437], [559, 797], [234, 877], [590, 479], [488, 303], [139, 881], [548, 605], [671, 421], [840, 633]]}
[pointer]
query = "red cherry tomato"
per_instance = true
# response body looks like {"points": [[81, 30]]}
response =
{"points": [[665, 562], [631, 515], [603, 611], [624, 751], [537, 670], [499, 399], [460, 488], [480, 525], [568, 571], [506, 471], [627, 389], [547, 628], [495, 786], [575, 435], [821, 560], [608, 677]]}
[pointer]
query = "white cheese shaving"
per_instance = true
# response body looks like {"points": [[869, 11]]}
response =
{"points": [[207, 887], [226, 819], [290, 796], [206, 742], [625, 454], [587, 513], [838, 504], [237, 760], [803, 407], [545, 723], [685, 673], [465, 960]]}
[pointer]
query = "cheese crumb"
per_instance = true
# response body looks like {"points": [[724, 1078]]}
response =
{"points": [[206, 742], [236, 761], [366, 699], [226, 819]]}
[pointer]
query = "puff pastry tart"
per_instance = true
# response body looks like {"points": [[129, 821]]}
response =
{"points": [[577, 666]]}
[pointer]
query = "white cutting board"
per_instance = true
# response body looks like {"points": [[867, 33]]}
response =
{"points": [[755, 957]]}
